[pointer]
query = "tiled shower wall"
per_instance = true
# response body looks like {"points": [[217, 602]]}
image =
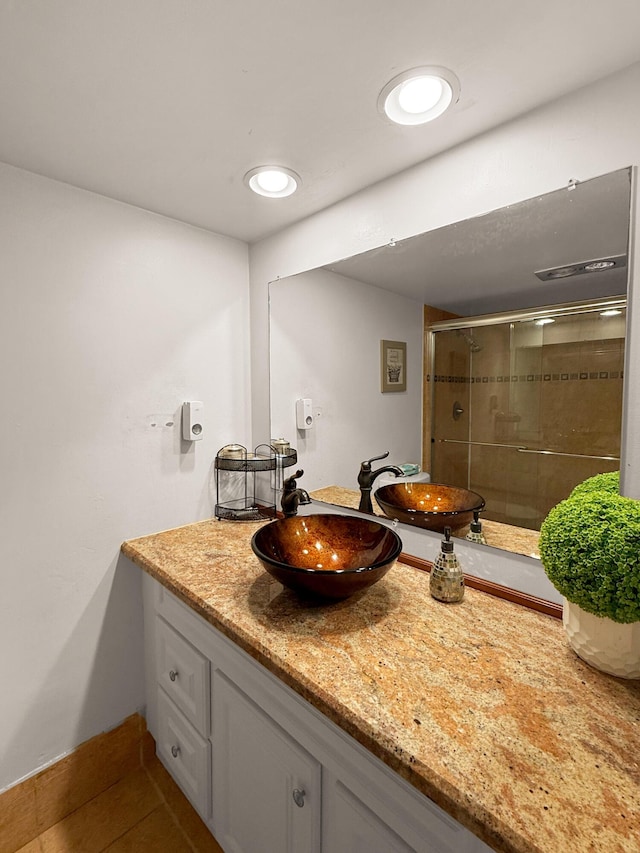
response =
{"points": [[555, 388]]}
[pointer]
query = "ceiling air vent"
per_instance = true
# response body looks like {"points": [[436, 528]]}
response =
{"points": [[584, 267]]}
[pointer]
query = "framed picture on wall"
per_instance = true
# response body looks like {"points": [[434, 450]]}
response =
{"points": [[393, 366]]}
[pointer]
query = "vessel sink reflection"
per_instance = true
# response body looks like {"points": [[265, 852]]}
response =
{"points": [[433, 506], [327, 556]]}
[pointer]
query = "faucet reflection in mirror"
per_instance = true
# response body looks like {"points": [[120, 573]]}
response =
{"points": [[293, 496], [367, 476]]}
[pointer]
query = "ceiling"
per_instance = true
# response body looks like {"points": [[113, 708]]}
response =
{"points": [[165, 104], [488, 263]]}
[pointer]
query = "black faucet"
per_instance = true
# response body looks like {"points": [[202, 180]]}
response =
{"points": [[367, 476], [292, 496]]}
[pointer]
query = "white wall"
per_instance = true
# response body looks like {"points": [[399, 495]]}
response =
{"points": [[110, 317], [318, 320], [588, 133]]}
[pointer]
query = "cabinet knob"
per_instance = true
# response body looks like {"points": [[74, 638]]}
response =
{"points": [[175, 750], [298, 797], [173, 674]]}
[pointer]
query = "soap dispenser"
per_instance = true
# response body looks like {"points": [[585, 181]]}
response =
{"points": [[446, 582], [475, 533]]}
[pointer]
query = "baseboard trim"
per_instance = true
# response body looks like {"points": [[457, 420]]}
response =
{"points": [[46, 797]]}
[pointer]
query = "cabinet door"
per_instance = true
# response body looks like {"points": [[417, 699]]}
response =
{"points": [[381, 819], [266, 787], [347, 824]]}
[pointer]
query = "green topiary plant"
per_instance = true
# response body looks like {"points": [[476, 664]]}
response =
{"points": [[590, 549], [599, 483]]}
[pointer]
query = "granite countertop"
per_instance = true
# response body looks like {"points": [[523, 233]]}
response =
{"points": [[480, 705], [518, 540]]}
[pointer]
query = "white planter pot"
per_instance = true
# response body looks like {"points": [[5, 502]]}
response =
{"points": [[604, 644]]}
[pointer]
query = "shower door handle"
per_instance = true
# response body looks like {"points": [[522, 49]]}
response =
{"points": [[571, 455], [522, 449], [480, 443]]}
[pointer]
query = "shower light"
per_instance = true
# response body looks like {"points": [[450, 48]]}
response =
{"points": [[544, 321], [611, 312], [419, 95], [272, 181]]}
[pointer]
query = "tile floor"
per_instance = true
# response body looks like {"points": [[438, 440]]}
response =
{"points": [[144, 812], [110, 794]]}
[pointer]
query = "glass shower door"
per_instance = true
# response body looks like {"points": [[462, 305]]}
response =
{"points": [[524, 410]]}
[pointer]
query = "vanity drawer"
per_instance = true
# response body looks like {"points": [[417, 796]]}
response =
{"points": [[185, 753], [183, 672]]}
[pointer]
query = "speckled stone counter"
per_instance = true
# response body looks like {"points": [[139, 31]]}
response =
{"points": [[480, 705], [518, 540]]}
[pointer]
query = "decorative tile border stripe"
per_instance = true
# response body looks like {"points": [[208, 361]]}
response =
{"points": [[529, 377]]}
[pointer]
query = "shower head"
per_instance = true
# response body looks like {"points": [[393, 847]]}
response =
{"points": [[474, 346]]}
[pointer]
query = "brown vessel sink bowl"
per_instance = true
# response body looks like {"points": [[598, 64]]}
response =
{"points": [[433, 506], [326, 556]]}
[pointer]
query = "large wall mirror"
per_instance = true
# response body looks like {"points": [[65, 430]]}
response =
{"points": [[327, 324]]}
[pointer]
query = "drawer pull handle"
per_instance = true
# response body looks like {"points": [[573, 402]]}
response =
{"points": [[175, 750], [173, 675], [298, 797]]}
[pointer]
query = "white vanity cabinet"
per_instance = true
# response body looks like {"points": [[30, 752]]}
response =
{"points": [[266, 771]]}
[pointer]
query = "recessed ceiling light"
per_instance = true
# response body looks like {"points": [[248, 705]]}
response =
{"points": [[611, 312], [544, 321], [419, 95], [272, 181]]}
